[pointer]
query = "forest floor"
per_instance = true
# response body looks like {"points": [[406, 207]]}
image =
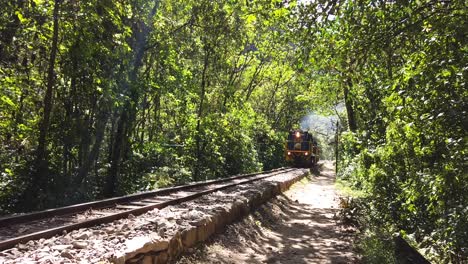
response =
{"points": [[299, 226]]}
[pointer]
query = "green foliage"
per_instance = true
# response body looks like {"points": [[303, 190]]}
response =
{"points": [[377, 248], [152, 93], [145, 94], [409, 96], [375, 241]]}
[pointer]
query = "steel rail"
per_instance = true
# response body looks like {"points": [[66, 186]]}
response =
{"points": [[29, 217], [5, 244]]}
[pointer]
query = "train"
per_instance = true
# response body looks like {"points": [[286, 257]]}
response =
{"points": [[301, 149]]}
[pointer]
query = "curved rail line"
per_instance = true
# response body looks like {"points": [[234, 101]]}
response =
{"points": [[134, 204]]}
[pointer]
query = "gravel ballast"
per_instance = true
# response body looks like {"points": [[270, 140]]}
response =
{"points": [[157, 236]]}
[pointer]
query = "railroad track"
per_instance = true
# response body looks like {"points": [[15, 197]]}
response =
{"points": [[45, 224]]}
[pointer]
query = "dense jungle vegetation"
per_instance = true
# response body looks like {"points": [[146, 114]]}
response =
{"points": [[101, 98]]}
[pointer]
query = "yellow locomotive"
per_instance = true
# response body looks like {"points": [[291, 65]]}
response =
{"points": [[301, 149]]}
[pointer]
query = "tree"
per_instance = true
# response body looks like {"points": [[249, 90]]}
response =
{"points": [[400, 64], [41, 155]]}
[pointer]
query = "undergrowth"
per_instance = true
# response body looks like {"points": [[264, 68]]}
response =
{"points": [[374, 242]]}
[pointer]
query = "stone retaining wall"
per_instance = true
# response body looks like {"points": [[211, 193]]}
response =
{"points": [[156, 249]]}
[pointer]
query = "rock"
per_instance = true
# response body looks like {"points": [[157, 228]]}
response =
{"points": [[175, 246], [135, 260], [80, 244], [206, 230], [147, 260], [164, 224], [22, 247], [164, 227], [45, 259], [44, 249], [161, 258], [144, 244], [61, 247], [15, 253], [271, 259], [193, 215], [118, 259], [162, 231], [130, 216], [170, 216], [109, 230], [189, 237], [83, 236], [198, 222]]}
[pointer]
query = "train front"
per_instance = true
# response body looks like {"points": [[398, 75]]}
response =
{"points": [[300, 149]]}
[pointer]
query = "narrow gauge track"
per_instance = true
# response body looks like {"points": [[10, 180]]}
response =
{"points": [[45, 224]]}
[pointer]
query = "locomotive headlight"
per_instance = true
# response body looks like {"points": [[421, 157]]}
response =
{"points": [[289, 153], [307, 153], [298, 134]]}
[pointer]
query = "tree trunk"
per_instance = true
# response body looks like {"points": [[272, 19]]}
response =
{"points": [[196, 175], [41, 152], [143, 121], [155, 124], [93, 154], [337, 149], [252, 84], [116, 154], [349, 106], [127, 116]]}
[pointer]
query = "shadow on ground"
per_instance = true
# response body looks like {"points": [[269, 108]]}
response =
{"points": [[296, 227]]}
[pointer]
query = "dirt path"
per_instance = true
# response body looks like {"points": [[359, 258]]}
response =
{"points": [[297, 227]]}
